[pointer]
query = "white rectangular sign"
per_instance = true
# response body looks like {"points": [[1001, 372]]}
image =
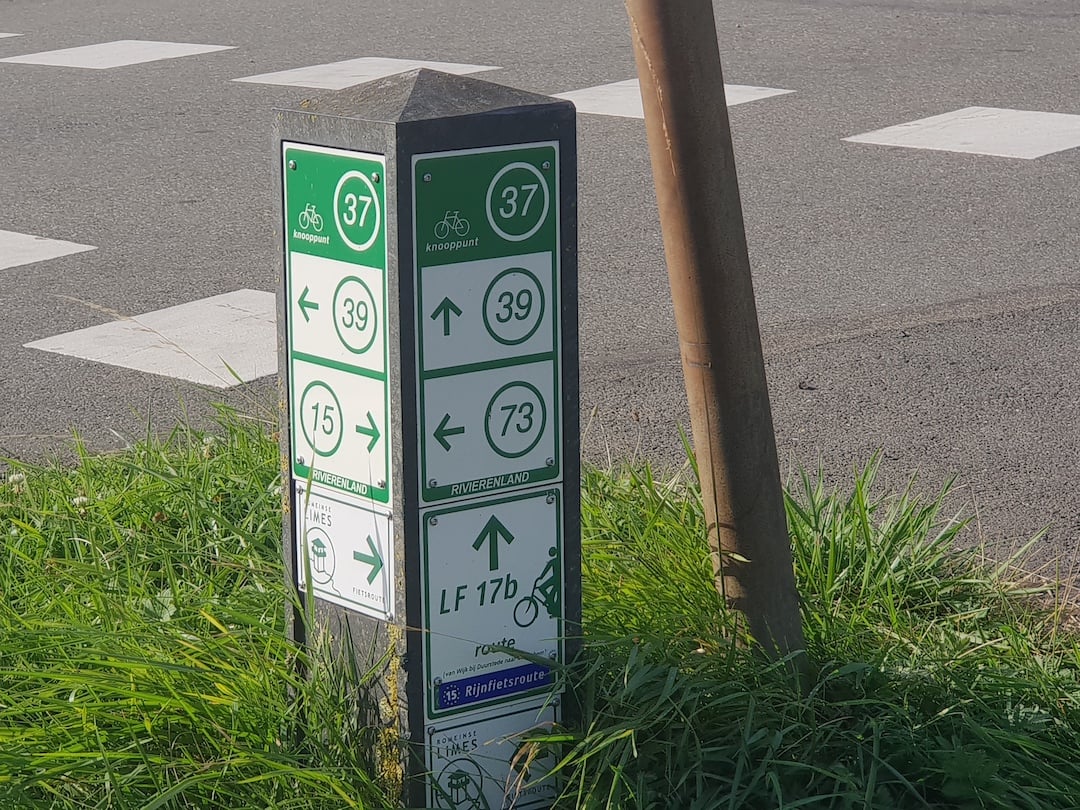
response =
{"points": [[340, 424], [492, 576], [475, 763], [487, 310], [344, 551], [337, 312], [488, 429]]}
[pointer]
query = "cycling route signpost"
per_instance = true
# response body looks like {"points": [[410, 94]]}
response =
{"points": [[336, 349], [429, 343]]}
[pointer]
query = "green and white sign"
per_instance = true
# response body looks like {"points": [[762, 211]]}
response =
{"points": [[474, 764], [344, 552], [492, 585], [335, 226], [486, 239]]}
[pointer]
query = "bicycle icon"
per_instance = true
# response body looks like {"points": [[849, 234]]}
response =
{"points": [[310, 218], [451, 221], [545, 593]]}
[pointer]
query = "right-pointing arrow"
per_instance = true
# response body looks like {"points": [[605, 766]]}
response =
{"points": [[371, 431], [442, 431], [374, 559]]}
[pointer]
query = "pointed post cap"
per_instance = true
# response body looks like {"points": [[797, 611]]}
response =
{"points": [[422, 94]]}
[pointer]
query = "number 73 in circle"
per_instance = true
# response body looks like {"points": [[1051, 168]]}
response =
{"points": [[515, 419]]}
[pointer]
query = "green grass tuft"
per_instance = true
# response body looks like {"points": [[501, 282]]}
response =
{"points": [[939, 683], [143, 658], [144, 664]]}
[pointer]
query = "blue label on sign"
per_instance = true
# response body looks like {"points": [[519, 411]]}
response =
{"points": [[493, 685]]}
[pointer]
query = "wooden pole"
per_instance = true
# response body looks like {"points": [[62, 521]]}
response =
{"points": [[682, 90]]}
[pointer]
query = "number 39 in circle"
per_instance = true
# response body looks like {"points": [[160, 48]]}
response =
{"points": [[513, 306], [518, 200], [356, 210], [356, 318]]}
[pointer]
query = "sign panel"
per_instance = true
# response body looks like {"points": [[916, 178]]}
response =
{"points": [[492, 573], [486, 233], [474, 764], [335, 226], [345, 552]]}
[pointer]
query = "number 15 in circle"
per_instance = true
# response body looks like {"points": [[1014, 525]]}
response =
{"points": [[320, 418]]}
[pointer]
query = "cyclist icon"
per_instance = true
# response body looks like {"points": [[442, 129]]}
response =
{"points": [[546, 592], [451, 221], [310, 218]]}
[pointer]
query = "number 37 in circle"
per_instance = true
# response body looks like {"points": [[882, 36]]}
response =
{"points": [[518, 200], [357, 212]]}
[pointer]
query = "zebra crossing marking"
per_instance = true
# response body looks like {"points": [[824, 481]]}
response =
{"points": [[623, 98], [219, 341], [121, 53], [339, 75], [990, 131], [17, 249]]}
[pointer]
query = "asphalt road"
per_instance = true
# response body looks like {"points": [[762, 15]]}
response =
{"points": [[921, 302]]}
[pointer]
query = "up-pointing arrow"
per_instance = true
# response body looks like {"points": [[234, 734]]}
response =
{"points": [[305, 305], [442, 431], [446, 308], [374, 559], [372, 431], [490, 534]]}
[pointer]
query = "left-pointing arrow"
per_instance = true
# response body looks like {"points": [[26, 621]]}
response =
{"points": [[442, 431], [372, 430], [374, 559], [305, 305]]}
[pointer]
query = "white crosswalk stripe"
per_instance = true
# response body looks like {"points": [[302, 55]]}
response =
{"points": [[120, 53], [17, 249], [228, 339], [219, 341], [984, 131], [339, 75], [624, 98]]}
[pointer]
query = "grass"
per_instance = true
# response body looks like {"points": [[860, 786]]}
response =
{"points": [[143, 660]]}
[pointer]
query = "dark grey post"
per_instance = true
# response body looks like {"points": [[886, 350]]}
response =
{"points": [[428, 349]]}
